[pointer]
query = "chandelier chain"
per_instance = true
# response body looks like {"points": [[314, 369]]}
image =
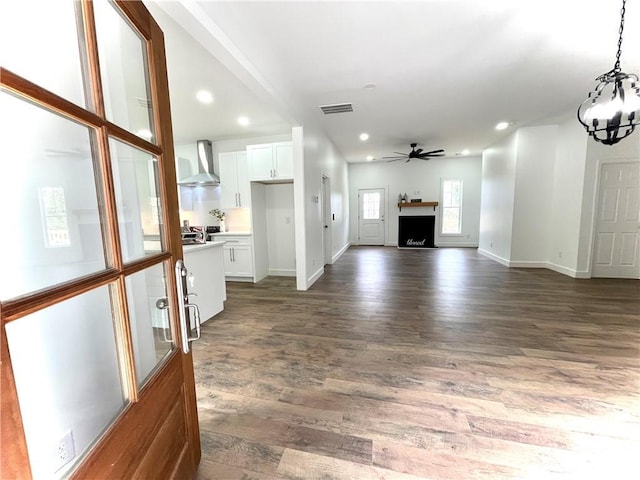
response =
{"points": [[616, 68]]}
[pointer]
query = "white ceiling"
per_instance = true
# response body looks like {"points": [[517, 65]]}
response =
{"points": [[192, 68], [445, 71]]}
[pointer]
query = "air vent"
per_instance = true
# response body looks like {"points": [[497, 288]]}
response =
{"points": [[143, 102], [336, 108]]}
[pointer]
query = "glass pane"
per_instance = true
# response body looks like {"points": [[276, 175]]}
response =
{"points": [[451, 193], [451, 220], [67, 377], [149, 323], [50, 213], [123, 69], [40, 42], [371, 206], [135, 175]]}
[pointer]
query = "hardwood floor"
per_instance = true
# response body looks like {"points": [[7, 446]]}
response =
{"points": [[437, 364]]}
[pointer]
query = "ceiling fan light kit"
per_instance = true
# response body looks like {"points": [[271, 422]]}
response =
{"points": [[612, 111]]}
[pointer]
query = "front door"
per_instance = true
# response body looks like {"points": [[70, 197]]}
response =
{"points": [[95, 379], [616, 252], [371, 216]]}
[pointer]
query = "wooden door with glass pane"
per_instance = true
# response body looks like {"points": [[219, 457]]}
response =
{"points": [[95, 381]]}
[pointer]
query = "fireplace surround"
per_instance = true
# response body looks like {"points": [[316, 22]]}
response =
{"points": [[416, 231]]}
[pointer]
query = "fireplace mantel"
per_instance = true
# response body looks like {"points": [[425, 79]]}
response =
{"points": [[418, 204]]}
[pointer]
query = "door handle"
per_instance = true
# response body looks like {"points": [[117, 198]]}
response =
{"points": [[163, 304], [184, 306], [196, 317]]}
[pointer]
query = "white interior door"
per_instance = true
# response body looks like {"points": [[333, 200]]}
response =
{"points": [[618, 224], [327, 246], [371, 216]]}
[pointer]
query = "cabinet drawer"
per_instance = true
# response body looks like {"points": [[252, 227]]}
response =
{"points": [[233, 239]]}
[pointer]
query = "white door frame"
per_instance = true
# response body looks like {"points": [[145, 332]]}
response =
{"points": [[597, 201]]}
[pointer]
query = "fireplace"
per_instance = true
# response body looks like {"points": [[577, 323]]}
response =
{"points": [[416, 231]]}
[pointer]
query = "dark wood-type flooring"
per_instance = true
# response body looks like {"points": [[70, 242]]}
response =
{"points": [[437, 364]]}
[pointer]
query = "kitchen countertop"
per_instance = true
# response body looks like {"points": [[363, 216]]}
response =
{"points": [[231, 233], [202, 246]]}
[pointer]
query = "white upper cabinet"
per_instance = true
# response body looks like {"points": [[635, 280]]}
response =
{"points": [[270, 161], [234, 180]]}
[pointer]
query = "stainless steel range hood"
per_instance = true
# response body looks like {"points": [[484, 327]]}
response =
{"points": [[206, 175]]}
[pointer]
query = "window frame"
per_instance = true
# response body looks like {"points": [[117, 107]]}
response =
{"points": [[442, 210]]}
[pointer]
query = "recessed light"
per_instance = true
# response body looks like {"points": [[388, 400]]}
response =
{"points": [[465, 152], [370, 86], [364, 136], [502, 125], [204, 96], [244, 121], [369, 158]]}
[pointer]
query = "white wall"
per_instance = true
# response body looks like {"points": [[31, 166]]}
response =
{"points": [[568, 182], [498, 188], [546, 180], [280, 229], [533, 197], [419, 179], [314, 156], [259, 231]]}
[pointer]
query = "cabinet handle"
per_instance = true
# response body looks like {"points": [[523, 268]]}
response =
{"points": [[234, 254], [239, 200], [236, 195], [230, 257]]}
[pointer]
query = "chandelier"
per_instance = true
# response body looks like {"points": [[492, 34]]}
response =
{"points": [[612, 111]]}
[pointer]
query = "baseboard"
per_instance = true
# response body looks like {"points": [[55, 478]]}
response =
{"points": [[461, 245], [315, 277], [527, 264], [239, 279], [340, 252], [282, 272], [567, 271], [548, 265], [494, 257]]}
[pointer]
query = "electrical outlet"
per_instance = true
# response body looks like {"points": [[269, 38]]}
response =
{"points": [[63, 452]]}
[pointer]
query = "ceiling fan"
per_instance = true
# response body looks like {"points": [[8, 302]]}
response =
{"points": [[416, 154]]}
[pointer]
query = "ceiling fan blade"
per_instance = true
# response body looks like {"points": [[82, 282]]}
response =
{"points": [[394, 159], [418, 151], [408, 160], [400, 153], [433, 151], [398, 158], [431, 155]]}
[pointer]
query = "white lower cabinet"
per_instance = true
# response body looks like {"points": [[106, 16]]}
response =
{"points": [[238, 257], [205, 278]]}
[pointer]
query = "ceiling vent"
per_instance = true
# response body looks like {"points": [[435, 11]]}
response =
{"points": [[336, 108]]}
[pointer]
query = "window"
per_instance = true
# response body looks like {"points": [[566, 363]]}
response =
{"points": [[371, 206], [54, 215], [451, 207]]}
